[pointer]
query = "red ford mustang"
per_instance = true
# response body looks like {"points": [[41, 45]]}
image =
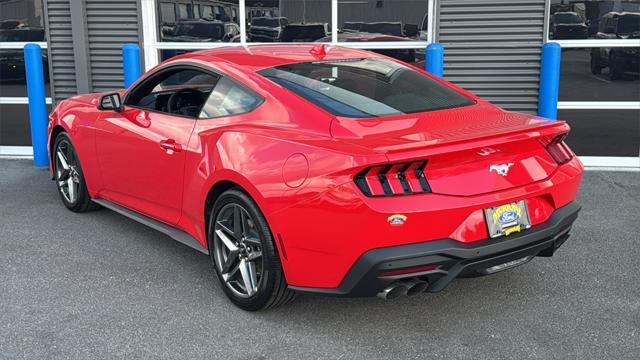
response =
{"points": [[319, 169]]}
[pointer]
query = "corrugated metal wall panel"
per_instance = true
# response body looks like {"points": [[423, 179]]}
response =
{"points": [[60, 50], [110, 24], [492, 48]]}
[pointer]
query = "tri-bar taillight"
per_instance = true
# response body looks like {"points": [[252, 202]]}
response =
{"points": [[558, 150], [393, 179]]}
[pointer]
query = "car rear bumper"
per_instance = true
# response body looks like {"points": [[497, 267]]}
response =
{"points": [[440, 261]]}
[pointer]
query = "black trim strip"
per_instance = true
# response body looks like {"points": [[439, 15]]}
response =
{"points": [[172, 232]]}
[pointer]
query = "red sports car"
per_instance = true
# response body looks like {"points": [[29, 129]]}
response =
{"points": [[319, 169]]}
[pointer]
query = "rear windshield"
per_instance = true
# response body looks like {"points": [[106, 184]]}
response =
{"points": [[365, 87]]}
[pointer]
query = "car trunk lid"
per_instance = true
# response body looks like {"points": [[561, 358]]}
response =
{"points": [[470, 150]]}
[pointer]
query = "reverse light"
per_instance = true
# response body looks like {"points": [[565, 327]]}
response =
{"points": [[394, 179], [558, 150]]}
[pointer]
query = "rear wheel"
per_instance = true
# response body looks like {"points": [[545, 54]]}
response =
{"points": [[69, 177], [243, 254]]}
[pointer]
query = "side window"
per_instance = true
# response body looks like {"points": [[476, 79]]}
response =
{"points": [[229, 98], [176, 91]]}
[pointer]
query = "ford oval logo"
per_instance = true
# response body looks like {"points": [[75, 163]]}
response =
{"points": [[508, 217]]}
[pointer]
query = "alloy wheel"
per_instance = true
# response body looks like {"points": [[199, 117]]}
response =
{"points": [[238, 250], [67, 174]]}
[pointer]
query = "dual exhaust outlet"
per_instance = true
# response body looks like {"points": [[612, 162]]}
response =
{"points": [[409, 287]]}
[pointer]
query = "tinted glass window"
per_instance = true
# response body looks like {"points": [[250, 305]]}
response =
{"points": [[178, 91], [14, 124], [398, 21], [13, 80], [229, 98], [289, 21], [607, 19], [21, 20], [202, 21], [365, 87], [600, 74], [603, 132]]}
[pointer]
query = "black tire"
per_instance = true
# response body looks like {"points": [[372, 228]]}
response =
{"points": [[615, 70], [272, 288], [81, 201], [596, 69]]}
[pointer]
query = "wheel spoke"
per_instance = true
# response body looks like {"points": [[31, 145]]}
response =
{"points": [[229, 275], [249, 276], [72, 190], [70, 157], [256, 254], [64, 175], [226, 241], [250, 240], [237, 222], [225, 229], [63, 159], [231, 259]]}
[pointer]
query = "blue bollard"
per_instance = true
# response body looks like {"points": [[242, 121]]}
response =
{"points": [[435, 59], [549, 80], [37, 103], [131, 63]]}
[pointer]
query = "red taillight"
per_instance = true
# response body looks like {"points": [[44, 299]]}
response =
{"points": [[558, 150], [394, 179]]}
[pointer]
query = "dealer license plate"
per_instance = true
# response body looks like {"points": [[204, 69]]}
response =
{"points": [[507, 219]]}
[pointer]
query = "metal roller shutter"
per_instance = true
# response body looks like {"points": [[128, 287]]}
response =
{"points": [[492, 48], [110, 24], [60, 43]]}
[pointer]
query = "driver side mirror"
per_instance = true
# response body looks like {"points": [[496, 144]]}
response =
{"points": [[110, 102]]}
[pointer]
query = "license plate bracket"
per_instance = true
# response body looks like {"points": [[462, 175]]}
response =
{"points": [[506, 219]]}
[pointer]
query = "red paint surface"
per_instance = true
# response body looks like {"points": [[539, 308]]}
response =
{"points": [[324, 221]]}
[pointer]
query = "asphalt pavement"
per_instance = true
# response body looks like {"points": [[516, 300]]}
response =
{"points": [[98, 285]]}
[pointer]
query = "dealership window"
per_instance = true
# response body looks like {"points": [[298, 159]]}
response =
{"points": [[21, 22], [599, 77], [198, 21], [397, 28]]}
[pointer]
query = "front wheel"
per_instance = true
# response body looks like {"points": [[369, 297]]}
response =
{"points": [[243, 253], [69, 176]]}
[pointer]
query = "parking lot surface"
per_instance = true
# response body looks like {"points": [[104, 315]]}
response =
{"points": [[99, 285]]}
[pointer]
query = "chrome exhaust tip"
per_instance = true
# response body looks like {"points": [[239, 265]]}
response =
{"points": [[415, 286], [393, 291]]}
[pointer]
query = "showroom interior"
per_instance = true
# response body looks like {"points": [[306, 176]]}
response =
{"points": [[492, 48]]}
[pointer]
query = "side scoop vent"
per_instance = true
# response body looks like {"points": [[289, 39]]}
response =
{"points": [[394, 179]]}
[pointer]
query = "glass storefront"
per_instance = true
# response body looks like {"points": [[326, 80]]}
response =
{"points": [[603, 132], [21, 21], [289, 21], [198, 21], [600, 74], [594, 19]]}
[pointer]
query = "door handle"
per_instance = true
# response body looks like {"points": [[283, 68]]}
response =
{"points": [[170, 145]]}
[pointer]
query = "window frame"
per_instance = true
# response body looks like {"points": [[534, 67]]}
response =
{"points": [[187, 65], [150, 33], [597, 161], [169, 68], [24, 100]]}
